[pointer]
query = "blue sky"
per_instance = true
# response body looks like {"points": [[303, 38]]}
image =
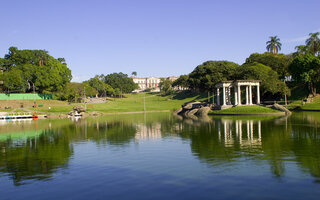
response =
{"points": [[153, 37]]}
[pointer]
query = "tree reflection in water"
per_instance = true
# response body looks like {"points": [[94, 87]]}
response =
{"points": [[35, 158], [214, 141], [226, 139]]}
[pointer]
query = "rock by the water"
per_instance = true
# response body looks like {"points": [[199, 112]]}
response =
{"points": [[178, 111], [203, 111], [191, 105], [192, 112], [79, 109], [190, 109], [281, 108]]}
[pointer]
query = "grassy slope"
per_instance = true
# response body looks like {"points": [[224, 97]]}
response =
{"points": [[245, 110], [131, 103], [315, 105], [135, 103], [57, 106]]}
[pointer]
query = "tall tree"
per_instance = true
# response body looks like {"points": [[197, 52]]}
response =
{"points": [[39, 68], [12, 81], [165, 86], [134, 73], [270, 82], [301, 50], [99, 84], [204, 77], [313, 42], [274, 45], [182, 82], [120, 81], [277, 62], [306, 69], [75, 92]]}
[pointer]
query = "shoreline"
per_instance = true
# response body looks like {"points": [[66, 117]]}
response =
{"points": [[94, 114], [275, 113]]}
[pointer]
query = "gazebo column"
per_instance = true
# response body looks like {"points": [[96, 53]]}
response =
{"points": [[250, 94], [258, 94], [247, 98], [213, 97], [218, 97], [224, 95], [235, 96], [229, 95], [239, 95]]}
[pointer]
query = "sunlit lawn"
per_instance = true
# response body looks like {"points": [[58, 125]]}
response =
{"points": [[135, 103], [129, 103], [245, 110], [315, 105]]}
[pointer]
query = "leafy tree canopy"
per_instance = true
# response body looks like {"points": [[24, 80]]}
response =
{"points": [[306, 69], [277, 62], [76, 91], [182, 81], [13, 82], [165, 86], [98, 83], [269, 79], [120, 81], [39, 68], [313, 43], [207, 75]]}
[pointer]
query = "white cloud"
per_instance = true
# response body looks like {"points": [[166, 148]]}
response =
{"points": [[299, 39]]}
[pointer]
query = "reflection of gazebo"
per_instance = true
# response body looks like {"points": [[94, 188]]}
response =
{"points": [[236, 85]]}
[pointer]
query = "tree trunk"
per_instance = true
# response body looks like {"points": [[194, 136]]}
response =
{"points": [[313, 89]]}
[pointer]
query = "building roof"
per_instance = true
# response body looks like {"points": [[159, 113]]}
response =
{"points": [[238, 82]]}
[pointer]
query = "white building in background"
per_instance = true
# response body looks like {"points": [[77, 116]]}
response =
{"points": [[147, 83], [151, 83]]}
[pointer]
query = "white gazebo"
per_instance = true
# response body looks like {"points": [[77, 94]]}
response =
{"points": [[236, 86]]}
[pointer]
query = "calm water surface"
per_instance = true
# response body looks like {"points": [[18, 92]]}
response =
{"points": [[159, 156]]}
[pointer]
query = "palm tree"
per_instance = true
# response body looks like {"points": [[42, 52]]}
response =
{"points": [[134, 73], [313, 42], [301, 50], [274, 45]]}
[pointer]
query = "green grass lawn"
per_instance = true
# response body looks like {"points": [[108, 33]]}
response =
{"points": [[245, 110], [315, 105], [130, 103], [135, 103]]}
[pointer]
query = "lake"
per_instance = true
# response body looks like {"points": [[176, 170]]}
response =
{"points": [[160, 156]]}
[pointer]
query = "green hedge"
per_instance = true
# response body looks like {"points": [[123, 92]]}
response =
{"points": [[24, 96]]}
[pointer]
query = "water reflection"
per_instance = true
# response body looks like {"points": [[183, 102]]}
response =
{"points": [[145, 132], [45, 147], [34, 157], [234, 131]]}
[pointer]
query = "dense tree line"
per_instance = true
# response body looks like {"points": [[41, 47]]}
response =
{"points": [[120, 81], [36, 70], [112, 85], [277, 71], [25, 70]]}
